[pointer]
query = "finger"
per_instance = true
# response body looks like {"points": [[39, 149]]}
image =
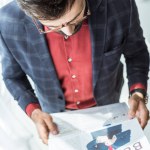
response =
{"points": [[133, 106], [144, 115], [43, 132], [51, 125], [138, 117]]}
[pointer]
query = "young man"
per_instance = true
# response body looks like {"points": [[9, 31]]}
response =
{"points": [[71, 50]]}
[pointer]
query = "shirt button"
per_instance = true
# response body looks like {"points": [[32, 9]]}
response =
{"points": [[78, 102], [66, 37], [74, 76], [69, 59], [76, 90]]}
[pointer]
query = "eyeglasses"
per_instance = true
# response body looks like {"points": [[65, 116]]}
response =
{"points": [[70, 23]]}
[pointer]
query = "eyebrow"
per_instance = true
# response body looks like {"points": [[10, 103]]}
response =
{"points": [[70, 20]]}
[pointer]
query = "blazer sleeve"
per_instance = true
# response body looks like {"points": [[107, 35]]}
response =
{"points": [[15, 79], [135, 52]]}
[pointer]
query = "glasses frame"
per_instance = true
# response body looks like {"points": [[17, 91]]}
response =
{"points": [[41, 31]]}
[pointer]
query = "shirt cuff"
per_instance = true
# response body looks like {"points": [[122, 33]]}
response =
{"points": [[137, 86], [31, 107]]}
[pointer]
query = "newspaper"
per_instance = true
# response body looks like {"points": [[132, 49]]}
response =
{"points": [[98, 128]]}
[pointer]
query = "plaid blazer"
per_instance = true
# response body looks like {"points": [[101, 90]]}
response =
{"points": [[114, 30]]}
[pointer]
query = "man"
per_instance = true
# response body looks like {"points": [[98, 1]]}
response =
{"points": [[71, 50]]}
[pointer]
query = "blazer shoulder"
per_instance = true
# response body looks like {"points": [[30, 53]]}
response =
{"points": [[12, 16], [120, 1], [11, 13]]}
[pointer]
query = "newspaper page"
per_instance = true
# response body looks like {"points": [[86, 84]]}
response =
{"points": [[126, 135], [77, 128]]}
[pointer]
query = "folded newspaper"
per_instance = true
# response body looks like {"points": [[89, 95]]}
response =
{"points": [[98, 128]]}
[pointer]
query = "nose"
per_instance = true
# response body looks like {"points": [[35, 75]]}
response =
{"points": [[68, 30]]}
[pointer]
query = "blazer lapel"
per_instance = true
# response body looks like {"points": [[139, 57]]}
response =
{"points": [[40, 47], [97, 24]]}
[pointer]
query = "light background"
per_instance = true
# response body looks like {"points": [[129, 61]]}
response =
{"points": [[18, 132]]}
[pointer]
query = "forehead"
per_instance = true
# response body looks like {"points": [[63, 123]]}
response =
{"points": [[69, 15]]}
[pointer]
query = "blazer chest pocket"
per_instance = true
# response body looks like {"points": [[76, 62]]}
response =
{"points": [[115, 50], [112, 58]]}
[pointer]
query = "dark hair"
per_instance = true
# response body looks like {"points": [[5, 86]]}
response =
{"points": [[45, 9]]}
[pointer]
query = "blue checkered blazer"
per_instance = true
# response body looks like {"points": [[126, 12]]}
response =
{"points": [[114, 30]]}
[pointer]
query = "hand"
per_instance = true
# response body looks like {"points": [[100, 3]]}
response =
{"points": [[138, 109], [44, 124]]}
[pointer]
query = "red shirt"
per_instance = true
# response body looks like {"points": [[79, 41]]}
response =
{"points": [[72, 59]]}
